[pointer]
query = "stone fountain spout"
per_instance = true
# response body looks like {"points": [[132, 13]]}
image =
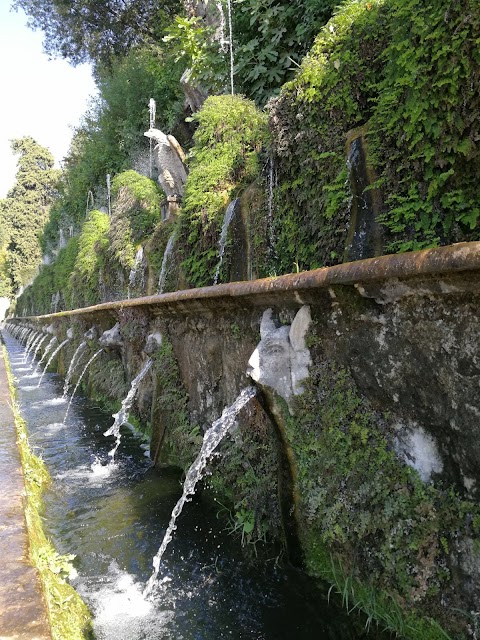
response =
{"points": [[112, 339], [281, 359]]}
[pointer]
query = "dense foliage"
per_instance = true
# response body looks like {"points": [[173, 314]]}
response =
{"points": [[24, 213], [271, 37], [403, 72], [86, 30]]}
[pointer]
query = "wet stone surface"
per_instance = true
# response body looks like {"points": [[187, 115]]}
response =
{"points": [[22, 609]]}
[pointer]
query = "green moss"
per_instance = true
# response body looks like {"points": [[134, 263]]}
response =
{"points": [[224, 159], [92, 247], [69, 616], [176, 440], [365, 515], [135, 212]]}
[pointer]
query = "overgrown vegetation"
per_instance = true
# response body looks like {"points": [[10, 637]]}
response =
{"points": [[224, 159], [369, 524], [403, 72], [177, 439], [69, 616], [135, 213]]}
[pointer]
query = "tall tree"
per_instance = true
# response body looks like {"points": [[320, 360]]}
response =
{"points": [[24, 212], [89, 30]]}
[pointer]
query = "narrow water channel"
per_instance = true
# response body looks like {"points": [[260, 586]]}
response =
{"points": [[114, 518]]}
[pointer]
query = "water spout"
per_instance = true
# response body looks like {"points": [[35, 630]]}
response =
{"points": [[62, 344], [39, 344], [33, 346], [33, 337], [122, 416], [229, 5], [46, 352], [90, 201], [75, 360], [164, 268], [79, 381], [211, 440], [229, 213]]}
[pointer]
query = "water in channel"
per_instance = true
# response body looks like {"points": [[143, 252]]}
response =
{"points": [[113, 517]]}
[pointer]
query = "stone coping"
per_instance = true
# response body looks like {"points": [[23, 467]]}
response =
{"points": [[449, 269]]}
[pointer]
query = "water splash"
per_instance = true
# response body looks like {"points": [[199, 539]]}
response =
{"points": [[38, 347], [166, 256], [122, 416], [79, 381], [45, 353], [211, 440], [62, 344], [132, 278], [227, 219], [73, 363]]}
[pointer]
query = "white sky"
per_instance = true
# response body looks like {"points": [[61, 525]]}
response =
{"points": [[41, 98]]}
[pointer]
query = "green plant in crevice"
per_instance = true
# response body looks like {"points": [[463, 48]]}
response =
{"points": [[224, 159]]}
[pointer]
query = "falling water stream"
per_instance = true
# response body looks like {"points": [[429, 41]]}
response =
{"points": [[50, 345], [113, 515], [166, 256], [121, 417], [80, 378], [49, 362], [137, 266], [73, 363], [212, 438], [227, 219]]}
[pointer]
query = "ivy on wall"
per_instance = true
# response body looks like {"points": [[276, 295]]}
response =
{"points": [[406, 73]]}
